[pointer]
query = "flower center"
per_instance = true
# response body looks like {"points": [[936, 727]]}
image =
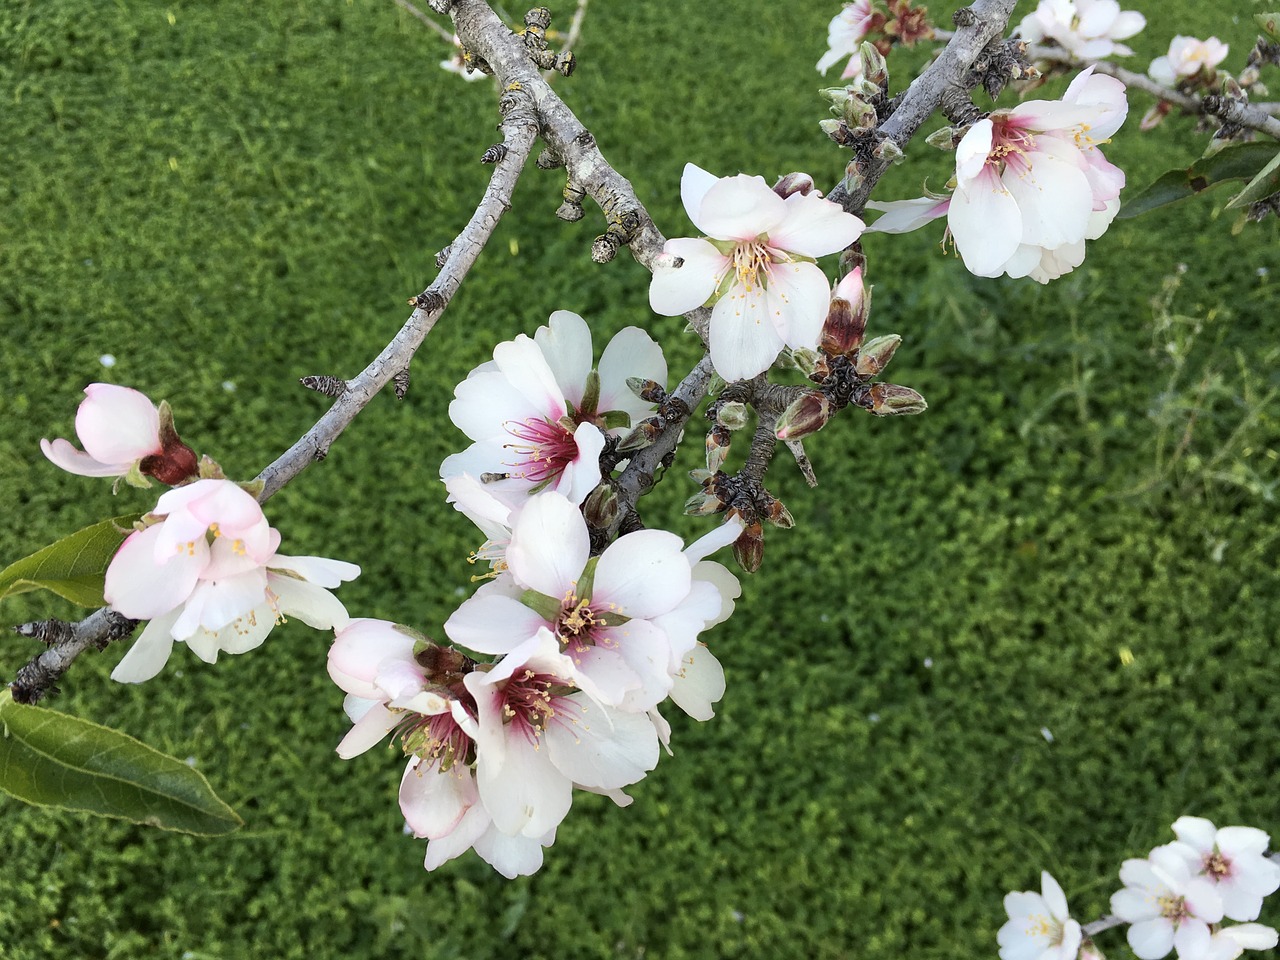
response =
{"points": [[1010, 145], [1039, 925], [751, 263], [1174, 908], [531, 700], [543, 450], [437, 739], [1217, 867]]}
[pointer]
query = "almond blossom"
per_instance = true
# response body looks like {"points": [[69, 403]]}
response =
{"points": [[1040, 925], [845, 34], [1188, 57], [205, 572], [1087, 29], [1234, 859], [755, 264], [1168, 906], [1227, 943], [538, 413], [1031, 184], [123, 435]]}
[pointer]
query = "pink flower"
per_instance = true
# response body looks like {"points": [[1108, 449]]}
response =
{"points": [[755, 264], [1031, 184], [1087, 29], [1234, 859], [207, 574], [845, 34], [123, 433], [1168, 906], [1188, 57], [539, 413]]}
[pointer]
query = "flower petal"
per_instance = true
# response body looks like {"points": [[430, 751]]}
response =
{"points": [[677, 290], [740, 208], [699, 685], [798, 297], [694, 184], [903, 216], [604, 752], [368, 731], [117, 424], [549, 545], [986, 225], [141, 589], [815, 227], [565, 343], [149, 653], [631, 353], [66, 456], [743, 340], [493, 624], [644, 573]]}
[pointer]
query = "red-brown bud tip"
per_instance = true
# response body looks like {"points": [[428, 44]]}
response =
{"points": [[807, 414], [800, 183], [748, 549]]}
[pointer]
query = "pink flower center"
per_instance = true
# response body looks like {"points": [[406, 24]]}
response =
{"points": [[437, 739], [1218, 867], [531, 701], [581, 625], [544, 449], [1010, 143], [1175, 909]]}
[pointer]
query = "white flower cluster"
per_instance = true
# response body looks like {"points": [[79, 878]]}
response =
{"points": [[563, 659], [1175, 899]]}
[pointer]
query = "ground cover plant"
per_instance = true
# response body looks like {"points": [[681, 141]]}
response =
{"points": [[1027, 630]]}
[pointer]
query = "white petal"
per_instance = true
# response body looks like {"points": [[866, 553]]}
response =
{"points": [[986, 225], [484, 403], [511, 856], [631, 353], [815, 227], [314, 606], [66, 456], [740, 208], [699, 685], [565, 343], [1192, 940], [549, 545], [694, 184], [215, 603], [433, 803], [321, 571], [522, 363], [903, 216], [677, 290], [643, 574], [117, 424], [493, 625], [1151, 939], [1197, 833], [647, 651], [581, 475], [1134, 904], [141, 589], [725, 582], [717, 539], [525, 793], [368, 731], [798, 297], [1054, 898], [149, 653], [605, 748], [973, 151], [473, 825], [744, 340]]}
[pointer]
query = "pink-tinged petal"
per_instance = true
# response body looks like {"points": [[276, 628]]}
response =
{"points": [[798, 297], [699, 685], [524, 793], [549, 545], [117, 424], [511, 856], [149, 653], [138, 587], [315, 606], [631, 353], [368, 731], [1054, 898], [643, 573], [522, 363], [1192, 940], [694, 184], [321, 571], [1049, 116], [1054, 200], [223, 502], [357, 651], [433, 803], [1151, 939], [1106, 180], [492, 624], [64, 455], [581, 475], [1198, 833], [1204, 900], [473, 825], [484, 403], [744, 340], [973, 150], [1133, 904], [490, 456], [903, 216], [647, 651], [677, 290], [565, 343], [215, 603], [986, 225], [815, 227], [605, 748], [740, 208]]}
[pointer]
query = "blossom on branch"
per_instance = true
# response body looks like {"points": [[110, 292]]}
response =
{"points": [[1087, 29], [845, 34], [1188, 58], [1040, 925], [1234, 859], [1168, 906], [206, 573], [1031, 184], [538, 413], [755, 264], [124, 435]]}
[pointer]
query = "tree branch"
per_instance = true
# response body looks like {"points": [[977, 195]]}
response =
{"points": [[37, 677]]}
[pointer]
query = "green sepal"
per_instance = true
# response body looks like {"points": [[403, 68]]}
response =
{"points": [[134, 477], [253, 488], [615, 420], [74, 567], [590, 396], [420, 640], [611, 619], [586, 583], [546, 607], [209, 469]]}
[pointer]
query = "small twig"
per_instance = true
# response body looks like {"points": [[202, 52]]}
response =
{"points": [[575, 30], [406, 5], [36, 679]]}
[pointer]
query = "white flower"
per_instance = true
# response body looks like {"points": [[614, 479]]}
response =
{"points": [[1040, 925], [1188, 57], [1227, 943], [1168, 906], [207, 574], [1031, 184], [1087, 29], [755, 263], [1234, 859], [844, 37], [538, 413]]}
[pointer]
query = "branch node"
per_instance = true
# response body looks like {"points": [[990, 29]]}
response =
{"points": [[330, 386], [548, 159], [605, 248], [429, 301], [964, 17], [442, 257], [495, 154], [47, 632], [401, 382], [322, 449]]}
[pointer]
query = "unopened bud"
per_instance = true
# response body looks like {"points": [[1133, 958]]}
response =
{"points": [[718, 440], [837, 97], [800, 183], [889, 151], [807, 414], [780, 516], [838, 131], [1232, 89], [946, 138], [1089, 951], [874, 68], [807, 361], [891, 400], [732, 415], [703, 504], [859, 114], [748, 549], [176, 461], [650, 391], [645, 433], [601, 506], [846, 317], [875, 356]]}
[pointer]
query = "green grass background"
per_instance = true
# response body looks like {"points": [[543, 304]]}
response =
{"points": [[229, 195]]}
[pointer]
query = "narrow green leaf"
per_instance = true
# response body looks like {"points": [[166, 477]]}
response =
{"points": [[1269, 23], [73, 567], [1264, 184], [1240, 162], [50, 759]]}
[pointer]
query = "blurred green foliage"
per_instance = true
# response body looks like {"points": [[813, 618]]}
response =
{"points": [[226, 196]]}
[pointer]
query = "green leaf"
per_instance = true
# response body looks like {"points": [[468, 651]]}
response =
{"points": [[548, 608], [73, 567], [1241, 162], [1263, 185], [1269, 23], [50, 759]]}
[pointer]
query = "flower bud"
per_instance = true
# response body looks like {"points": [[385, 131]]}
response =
{"points": [[748, 549], [807, 414], [891, 400], [780, 516], [732, 415], [859, 114], [717, 447], [838, 131], [1089, 951], [650, 391], [807, 361], [703, 504], [800, 183], [846, 317], [889, 151], [645, 433], [601, 506], [946, 138], [875, 356], [874, 68]]}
